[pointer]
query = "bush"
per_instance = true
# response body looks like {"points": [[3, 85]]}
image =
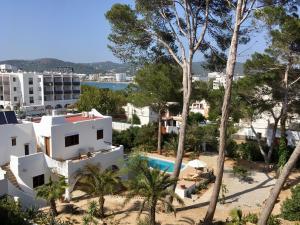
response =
{"points": [[290, 209], [249, 151], [135, 119]]}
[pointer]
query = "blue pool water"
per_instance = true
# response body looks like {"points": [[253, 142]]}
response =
{"points": [[162, 164]]}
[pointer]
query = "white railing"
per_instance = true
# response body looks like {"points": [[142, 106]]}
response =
{"points": [[119, 126]]}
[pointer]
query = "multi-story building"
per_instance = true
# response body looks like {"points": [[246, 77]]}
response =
{"points": [[32, 151], [27, 90]]}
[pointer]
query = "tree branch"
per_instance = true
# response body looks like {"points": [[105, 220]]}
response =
{"points": [[295, 81], [177, 19], [248, 12], [204, 27]]}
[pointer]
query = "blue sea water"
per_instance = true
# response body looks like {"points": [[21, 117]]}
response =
{"points": [[162, 164], [111, 86]]}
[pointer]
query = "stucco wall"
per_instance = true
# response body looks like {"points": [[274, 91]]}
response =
{"points": [[24, 134], [88, 142]]}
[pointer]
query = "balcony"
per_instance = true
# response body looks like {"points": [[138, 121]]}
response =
{"points": [[76, 83], [48, 83], [48, 92], [58, 97], [58, 92], [58, 83], [67, 91], [76, 91]]}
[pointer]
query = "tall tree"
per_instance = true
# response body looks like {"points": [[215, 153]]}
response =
{"points": [[158, 85], [97, 182], [52, 191], [177, 28]]}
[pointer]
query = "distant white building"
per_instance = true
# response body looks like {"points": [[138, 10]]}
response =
{"points": [[120, 77], [200, 107], [145, 114], [263, 126], [219, 79], [52, 90], [31, 152]]}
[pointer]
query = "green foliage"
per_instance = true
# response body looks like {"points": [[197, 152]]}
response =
{"points": [[171, 145], [103, 100], [273, 220], [241, 173], [144, 137], [290, 209], [224, 191], [97, 182], [135, 119], [248, 151], [283, 153], [151, 184], [89, 218], [11, 212], [53, 190], [195, 118]]}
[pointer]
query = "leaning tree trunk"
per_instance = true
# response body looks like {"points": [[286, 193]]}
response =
{"points": [[225, 114], [101, 206], [53, 207], [159, 134], [261, 149], [187, 86], [268, 207]]}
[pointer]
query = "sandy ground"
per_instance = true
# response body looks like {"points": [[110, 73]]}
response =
{"points": [[249, 196]]}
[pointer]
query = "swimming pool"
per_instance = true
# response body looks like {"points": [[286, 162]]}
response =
{"points": [[162, 164]]}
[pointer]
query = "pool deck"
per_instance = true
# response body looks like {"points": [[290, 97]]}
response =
{"points": [[187, 171]]}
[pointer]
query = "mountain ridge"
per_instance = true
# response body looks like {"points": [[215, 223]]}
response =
{"points": [[44, 64]]}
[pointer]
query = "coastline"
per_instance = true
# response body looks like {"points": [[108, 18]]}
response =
{"points": [[105, 82]]}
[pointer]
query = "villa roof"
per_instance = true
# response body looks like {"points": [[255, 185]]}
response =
{"points": [[79, 118]]}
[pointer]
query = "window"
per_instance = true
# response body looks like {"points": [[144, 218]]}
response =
{"points": [[31, 90], [14, 79], [71, 140], [30, 80], [31, 100], [26, 148], [13, 141], [1, 97], [99, 134], [15, 88], [38, 180], [15, 99]]}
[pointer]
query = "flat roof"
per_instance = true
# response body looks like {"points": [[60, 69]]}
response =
{"points": [[79, 118]]}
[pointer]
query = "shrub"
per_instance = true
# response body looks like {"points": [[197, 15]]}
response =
{"points": [[249, 151], [135, 119], [290, 209]]}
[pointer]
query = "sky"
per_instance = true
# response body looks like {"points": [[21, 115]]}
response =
{"points": [[70, 30]]}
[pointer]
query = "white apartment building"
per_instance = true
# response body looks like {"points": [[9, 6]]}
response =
{"points": [[28, 90], [219, 79], [59, 144], [120, 77]]}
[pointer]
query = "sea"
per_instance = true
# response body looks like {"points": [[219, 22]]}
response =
{"points": [[114, 86]]}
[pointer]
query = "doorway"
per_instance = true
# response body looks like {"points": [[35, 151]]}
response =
{"points": [[47, 145], [26, 148]]}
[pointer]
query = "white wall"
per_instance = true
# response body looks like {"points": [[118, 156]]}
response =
{"points": [[24, 134], [145, 114], [3, 183], [27, 167], [123, 126]]}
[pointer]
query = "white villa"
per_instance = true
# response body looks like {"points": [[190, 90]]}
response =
{"points": [[145, 114], [54, 145], [200, 107]]}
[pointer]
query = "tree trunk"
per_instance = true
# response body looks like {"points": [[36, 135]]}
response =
{"points": [[152, 213], [276, 120], [259, 145], [285, 100], [53, 207], [101, 206], [187, 86], [268, 207], [159, 134], [225, 114]]}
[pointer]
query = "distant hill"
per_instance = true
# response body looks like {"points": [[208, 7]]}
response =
{"points": [[49, 64]]}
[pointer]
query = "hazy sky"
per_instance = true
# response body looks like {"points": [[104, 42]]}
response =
{"points": [[71, 30]]}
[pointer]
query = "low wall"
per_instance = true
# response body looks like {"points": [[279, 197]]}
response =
{"points": [[123, 126]]}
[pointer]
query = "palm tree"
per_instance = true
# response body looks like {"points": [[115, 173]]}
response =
{"points": [[153, 185], [51, 192], [97, 183]]}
